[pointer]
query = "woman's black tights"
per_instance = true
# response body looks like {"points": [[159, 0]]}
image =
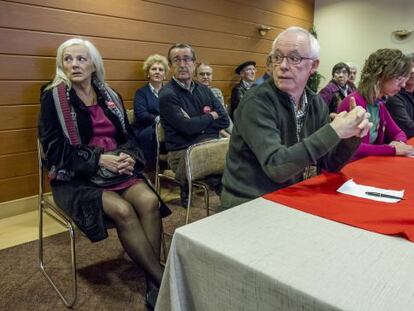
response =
{"points": [[138, 223]]}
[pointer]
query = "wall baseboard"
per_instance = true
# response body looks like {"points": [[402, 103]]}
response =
{"points": [[19, 206]]}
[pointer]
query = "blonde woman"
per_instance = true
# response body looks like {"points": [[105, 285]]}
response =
{"points": [[146, 107], [82, 123]]}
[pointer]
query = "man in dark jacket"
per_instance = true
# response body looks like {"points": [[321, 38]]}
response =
{"points": [[247, 73], [401, 106], [281, 129], [189, 111]]}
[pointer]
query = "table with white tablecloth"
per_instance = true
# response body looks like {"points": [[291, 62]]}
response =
{"points": [[262, 255]]}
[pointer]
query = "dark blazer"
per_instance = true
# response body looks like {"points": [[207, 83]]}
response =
{"points": [[146, 109], [78, 197], [237, 93], [401, 108]]}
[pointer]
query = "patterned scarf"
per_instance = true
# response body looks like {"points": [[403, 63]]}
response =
{"points": [[67, 115], [68, 121]]}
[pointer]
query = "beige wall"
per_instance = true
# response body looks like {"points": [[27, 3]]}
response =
{"points": [[223, 32], [351, 30]]}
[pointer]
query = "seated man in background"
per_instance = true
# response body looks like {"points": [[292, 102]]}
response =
{"points": [[401, 106], [338, 88], [204, 74], [189, 111], [247, 73], [281, 128], [268, 73], [353, 70]]}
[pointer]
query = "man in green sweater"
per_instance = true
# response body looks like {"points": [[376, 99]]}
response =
{"points": [[282, 129]]}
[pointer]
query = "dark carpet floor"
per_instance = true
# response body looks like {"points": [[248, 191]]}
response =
{"points": [[106, 281]]}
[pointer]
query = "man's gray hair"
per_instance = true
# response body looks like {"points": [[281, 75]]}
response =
{"points": [[410, 56], [352, 65], [314, 46]]}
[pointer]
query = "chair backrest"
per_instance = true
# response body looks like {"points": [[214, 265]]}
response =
{"points": [[206, 158], [159, 132], [131, 116], [40, 157], [161, 156]]}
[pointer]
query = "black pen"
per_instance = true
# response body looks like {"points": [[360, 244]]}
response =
{"points": [[383, 195]]}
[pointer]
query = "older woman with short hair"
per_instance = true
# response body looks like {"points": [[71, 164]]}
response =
{"points": [[146, 107], [338, 88], [384, 74], [86, 137]]}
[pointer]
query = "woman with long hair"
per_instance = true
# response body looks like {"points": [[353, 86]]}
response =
{"points": [[85, 136], [384, 74]]}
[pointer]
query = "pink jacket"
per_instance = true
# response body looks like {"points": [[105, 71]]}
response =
{"points": [[388, 130]]}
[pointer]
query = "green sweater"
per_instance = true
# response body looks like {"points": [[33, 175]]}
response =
{"points": [[264, 154]]}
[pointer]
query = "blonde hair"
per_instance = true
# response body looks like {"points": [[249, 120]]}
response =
{"points": [[153, 59], [93, 52], [381, 66]]}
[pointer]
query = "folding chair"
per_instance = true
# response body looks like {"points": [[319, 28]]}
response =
{"points": [[161, 159], [48, 206], [130, 116], [196, 167], [201, 161]]}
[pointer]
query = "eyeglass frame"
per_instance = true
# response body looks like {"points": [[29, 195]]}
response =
{"points": [[301, 58], [186, 59], [208, 74]]}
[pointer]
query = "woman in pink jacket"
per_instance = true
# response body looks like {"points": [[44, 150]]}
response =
{"points": [[384, 74]]}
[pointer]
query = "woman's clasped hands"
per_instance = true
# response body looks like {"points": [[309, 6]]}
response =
{"points": [[121, 164]]}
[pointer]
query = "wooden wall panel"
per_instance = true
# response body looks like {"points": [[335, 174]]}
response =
{"points": [[42, 68], [16, 141], [15, 16], [19, 164], [18, 117], [25, 42], [278, 14], [14, 92], [18, 187], [223, 32]]}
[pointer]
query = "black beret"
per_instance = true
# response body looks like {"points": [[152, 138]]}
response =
{"points": [[242, 65]]}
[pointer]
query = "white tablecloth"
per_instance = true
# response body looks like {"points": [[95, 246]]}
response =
{"points": [[265, 256]]}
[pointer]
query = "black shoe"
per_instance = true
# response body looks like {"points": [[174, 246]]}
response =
{"points": [[218, 189], [151, 297], [184, 198]]}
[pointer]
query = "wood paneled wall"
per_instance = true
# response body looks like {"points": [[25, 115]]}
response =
{"points": [[223, 32]]}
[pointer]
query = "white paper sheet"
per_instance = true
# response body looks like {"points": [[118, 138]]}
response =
{"points": [[352, 188]]}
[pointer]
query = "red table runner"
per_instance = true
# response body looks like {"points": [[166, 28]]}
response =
{"points": [[318, 196]]}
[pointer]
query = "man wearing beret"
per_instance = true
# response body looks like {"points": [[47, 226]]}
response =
{"points": [[247, 73]]}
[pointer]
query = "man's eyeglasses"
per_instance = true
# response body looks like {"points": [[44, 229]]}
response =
{"points": [[185, 59], [205, 74], [292, 59]]}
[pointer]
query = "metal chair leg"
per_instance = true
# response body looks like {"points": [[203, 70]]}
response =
{"points": [[190, 199], [68, 302], [206, 200]]}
